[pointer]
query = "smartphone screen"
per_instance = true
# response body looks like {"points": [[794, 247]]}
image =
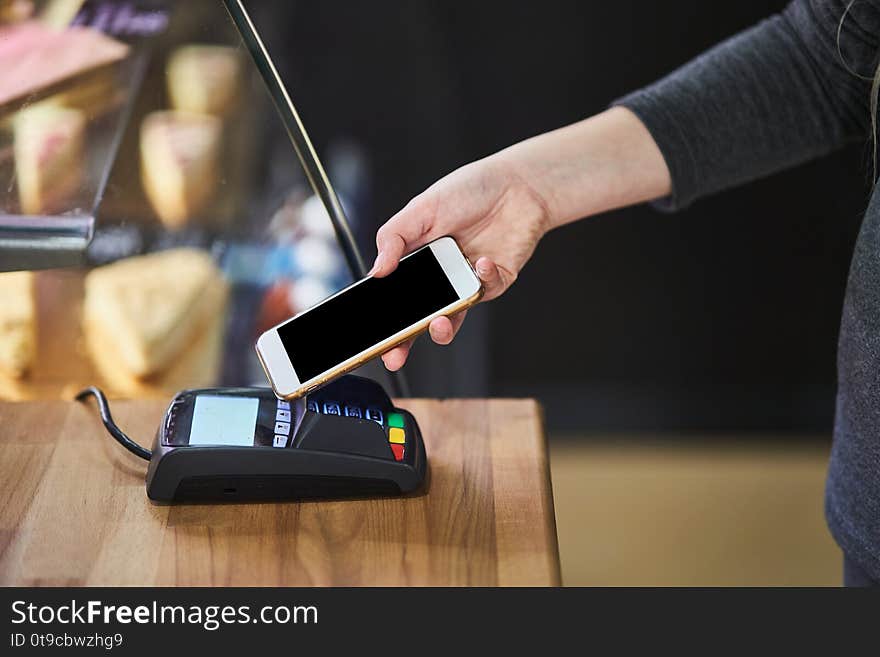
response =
{"points": [[366, 314]]}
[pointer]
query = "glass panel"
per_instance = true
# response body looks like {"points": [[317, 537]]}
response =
{"points": [[170, 155]]}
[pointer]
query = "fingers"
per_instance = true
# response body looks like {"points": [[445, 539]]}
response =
{"points": [[395, 358], [490, 275], [404, 232], [442, 331]]}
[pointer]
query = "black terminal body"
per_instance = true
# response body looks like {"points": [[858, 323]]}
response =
{"points": [[344, 440]]}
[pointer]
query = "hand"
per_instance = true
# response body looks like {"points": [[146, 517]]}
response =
{"points": [[499, 208], [494, 214]]}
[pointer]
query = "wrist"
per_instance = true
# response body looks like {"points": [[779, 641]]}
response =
{"points": [[526, 184], [601, 163]]}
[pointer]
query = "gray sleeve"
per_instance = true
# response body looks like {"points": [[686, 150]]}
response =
{"points": [[769, 98]]}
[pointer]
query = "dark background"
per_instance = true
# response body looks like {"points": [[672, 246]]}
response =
{"points": [[722, 316]]}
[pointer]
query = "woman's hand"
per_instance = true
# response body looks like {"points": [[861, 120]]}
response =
{"points": [[498, 208], [495, 216]]}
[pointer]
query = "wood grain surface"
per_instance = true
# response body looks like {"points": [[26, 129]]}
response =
{"points": [[73, 510]]}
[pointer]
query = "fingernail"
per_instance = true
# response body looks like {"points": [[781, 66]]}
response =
{"points": [[376, 265]]}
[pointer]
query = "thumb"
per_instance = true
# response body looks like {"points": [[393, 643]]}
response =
{"points": [[404, 232], [490, 275]]}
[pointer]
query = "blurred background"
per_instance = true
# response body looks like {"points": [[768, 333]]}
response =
{"points": [[685, 362]]}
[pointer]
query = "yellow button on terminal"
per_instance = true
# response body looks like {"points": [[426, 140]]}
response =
{"points": [[396, 435]]}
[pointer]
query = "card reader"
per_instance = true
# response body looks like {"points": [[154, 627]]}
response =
{"points": [[346, 439]]}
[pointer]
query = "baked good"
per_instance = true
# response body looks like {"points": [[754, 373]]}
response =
{"points": [[203, 78], [148, 310], [18, 323], [49, 156], [35, 58], [179, 163], [197, 367]]}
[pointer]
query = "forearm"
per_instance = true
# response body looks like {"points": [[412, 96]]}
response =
{"points": [[604, 162]]}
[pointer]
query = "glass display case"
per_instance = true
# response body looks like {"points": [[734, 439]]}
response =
{"points": [[154, 217]]}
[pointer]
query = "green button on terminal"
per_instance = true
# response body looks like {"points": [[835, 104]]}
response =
{"points": [[395, 420]]}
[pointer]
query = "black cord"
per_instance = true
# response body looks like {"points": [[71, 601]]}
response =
{"points": [[107, 419]]}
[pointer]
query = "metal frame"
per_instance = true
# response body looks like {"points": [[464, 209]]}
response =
{"points": [[311, 164]]}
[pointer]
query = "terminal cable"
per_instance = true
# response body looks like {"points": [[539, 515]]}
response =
{"points": [[107, 419]]}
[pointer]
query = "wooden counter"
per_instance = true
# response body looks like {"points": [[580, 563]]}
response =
{"points": [[73, 510]]}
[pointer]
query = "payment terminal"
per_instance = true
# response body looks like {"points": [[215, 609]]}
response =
{"points": [[243, 444]]}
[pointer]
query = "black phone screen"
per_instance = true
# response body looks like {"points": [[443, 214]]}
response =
{"points": [[366, 314]]}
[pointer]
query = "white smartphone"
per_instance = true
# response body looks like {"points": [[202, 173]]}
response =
{"points": [[367, 318]]}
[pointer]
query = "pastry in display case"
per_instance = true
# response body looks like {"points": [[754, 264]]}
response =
{"points": [[148, 309], [179, 163], [157, 317], [48, 151], [38, 59], [204, 78], [181, 147]]}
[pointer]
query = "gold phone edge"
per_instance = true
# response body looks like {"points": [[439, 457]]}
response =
{"points": [[379, 349], [266, 370]]}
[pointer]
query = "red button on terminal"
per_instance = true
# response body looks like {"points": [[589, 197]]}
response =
{"points": [[398, 451]]}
